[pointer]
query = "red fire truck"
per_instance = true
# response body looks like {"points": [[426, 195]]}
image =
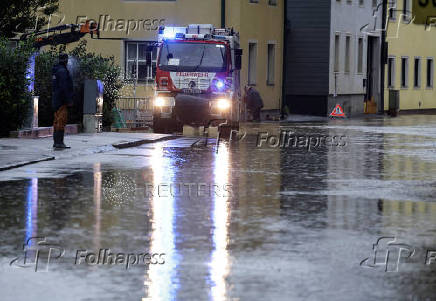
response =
{"points": [[197, 77]]}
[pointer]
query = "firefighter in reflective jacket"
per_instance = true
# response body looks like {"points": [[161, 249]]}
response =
{"points": [[62, 98], [253, 101]]}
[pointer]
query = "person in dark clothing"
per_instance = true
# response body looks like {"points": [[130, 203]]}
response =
{"points": [[62, 98], [254, 102]]}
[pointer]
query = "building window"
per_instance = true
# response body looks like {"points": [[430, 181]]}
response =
{"points": [[254, 1], [361, 2], [349, 1], [404, 72], [374, 3], [360, 56], [407, 11], [347, 53], [272, 2], [337, 45], [391, 72], [252, 56], [430, 72], [271, 64], [140, 61], [417, 73], [392, 9]]}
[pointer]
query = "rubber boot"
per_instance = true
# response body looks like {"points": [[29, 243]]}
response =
{"points": [[61, 140], [56, 139]]}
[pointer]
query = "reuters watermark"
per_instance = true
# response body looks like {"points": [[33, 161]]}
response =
{"points": [[188, 190], [289, 139], [120, 189]]}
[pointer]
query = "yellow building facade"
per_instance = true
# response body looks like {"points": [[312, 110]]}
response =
{"points": [[410, 62], [128, 28]]}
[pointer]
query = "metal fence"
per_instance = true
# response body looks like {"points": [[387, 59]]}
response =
{"points": [[136, 112]]}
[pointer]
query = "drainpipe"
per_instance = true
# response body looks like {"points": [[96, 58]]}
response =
{"points": [[383, 57], [284, 47], [223, 13]]}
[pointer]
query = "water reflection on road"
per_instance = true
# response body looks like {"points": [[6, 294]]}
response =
{"points": [[161, 281], [219, 264], [295, 227]]}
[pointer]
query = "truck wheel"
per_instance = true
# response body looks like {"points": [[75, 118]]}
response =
{"points": [[166, 125], [177, 126], [159, 125]]}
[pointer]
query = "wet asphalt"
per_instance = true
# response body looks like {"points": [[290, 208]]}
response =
{"points": [[349, 214]]}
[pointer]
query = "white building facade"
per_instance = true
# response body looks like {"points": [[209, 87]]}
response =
{"points": [[333, 55], [355, 53]]}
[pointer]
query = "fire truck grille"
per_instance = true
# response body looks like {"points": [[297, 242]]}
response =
{"points": [[192, 83]]}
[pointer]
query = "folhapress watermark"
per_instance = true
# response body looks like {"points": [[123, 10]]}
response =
{"points": [[388, 254], [40, 255], [289, 139], [110, 24], [106, 23], [106, 257]]}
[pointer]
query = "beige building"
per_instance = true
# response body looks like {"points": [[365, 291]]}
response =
{"points": [[410, 64], [128, 29]]}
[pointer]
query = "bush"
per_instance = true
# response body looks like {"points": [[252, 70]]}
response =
{"points": [[14, 93], [86, 65], [44, 63], [94, 66]]}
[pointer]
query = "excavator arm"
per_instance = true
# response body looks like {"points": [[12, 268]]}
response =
{"points": [[62, 34]]}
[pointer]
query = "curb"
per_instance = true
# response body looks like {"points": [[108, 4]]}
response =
{"points": [[20, 164], [141, 142], [43, 132], [117, 145]]}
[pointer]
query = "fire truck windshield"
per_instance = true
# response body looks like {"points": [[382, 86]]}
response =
{"points": [[193, 57]]}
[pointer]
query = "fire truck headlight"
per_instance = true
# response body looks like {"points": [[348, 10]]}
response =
{"points": [[223, 104], [159, 102]]}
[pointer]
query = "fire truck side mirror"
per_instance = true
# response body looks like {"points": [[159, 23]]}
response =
{"points": [[238, 59]]}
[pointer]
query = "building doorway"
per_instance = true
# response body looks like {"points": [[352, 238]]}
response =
{"points": [[373, 71]]}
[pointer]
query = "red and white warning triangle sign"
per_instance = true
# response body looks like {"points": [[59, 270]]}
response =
{"points": [[337, 112]]}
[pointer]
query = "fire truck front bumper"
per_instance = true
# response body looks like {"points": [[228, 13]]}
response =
{"points": [[193, 109]]}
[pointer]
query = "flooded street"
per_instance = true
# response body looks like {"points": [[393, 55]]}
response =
{"points": [[249, 220]]}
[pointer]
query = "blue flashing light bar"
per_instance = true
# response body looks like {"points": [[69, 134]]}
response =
{"points": [[180, 35], [170, 33]]}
